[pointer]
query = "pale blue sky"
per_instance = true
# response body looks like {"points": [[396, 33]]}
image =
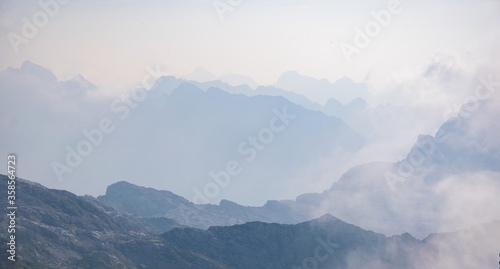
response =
{"points": [[112, 42]]}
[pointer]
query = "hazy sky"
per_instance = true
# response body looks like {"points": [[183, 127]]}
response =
{"points": [[425, 59], [112, 41]]}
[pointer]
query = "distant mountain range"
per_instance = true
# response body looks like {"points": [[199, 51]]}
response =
{"points": [[57, 229], [344, 90], [447, 182], [186, 137], [382, 125], [180, 137], [203, 122]]}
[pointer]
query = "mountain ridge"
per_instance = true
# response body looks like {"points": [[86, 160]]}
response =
{"points": [[82, 233]]}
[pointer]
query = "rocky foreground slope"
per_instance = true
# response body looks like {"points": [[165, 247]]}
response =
{"points": [[57, 229]]}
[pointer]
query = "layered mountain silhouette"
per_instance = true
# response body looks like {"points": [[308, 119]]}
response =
{"points": [[447, 182], [185, 130], [185, 134], [179, 137], [382, 125]]}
